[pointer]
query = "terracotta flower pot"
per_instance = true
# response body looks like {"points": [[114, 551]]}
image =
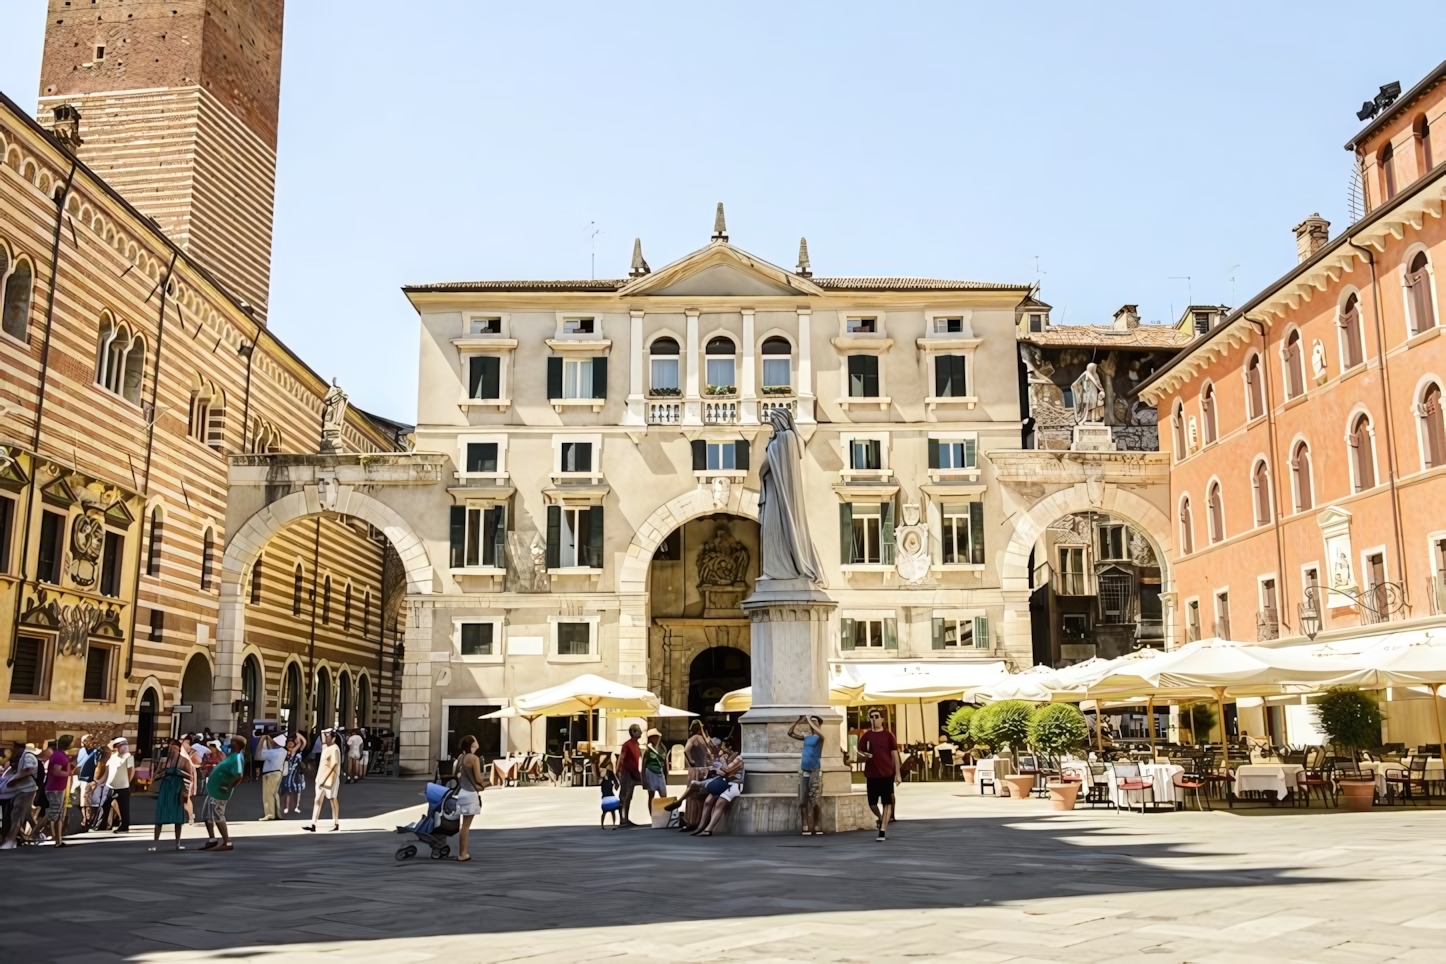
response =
{"points": [[968, 773], [1019, 785], [1062, 795], [1360, 794]]}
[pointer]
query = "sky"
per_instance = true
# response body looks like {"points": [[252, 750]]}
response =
{"points": [[1152, 154]]}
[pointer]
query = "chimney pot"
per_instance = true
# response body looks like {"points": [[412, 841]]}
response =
{"points": [[1310, 236], [1127, 317]]}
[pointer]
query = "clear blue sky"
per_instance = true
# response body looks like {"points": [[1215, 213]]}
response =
{"points": [[1121, 145]]}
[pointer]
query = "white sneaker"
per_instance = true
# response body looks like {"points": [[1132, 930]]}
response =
{"points": [[7, 845]]}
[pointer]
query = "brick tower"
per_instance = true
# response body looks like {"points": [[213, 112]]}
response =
{"points": [[178, 102]]}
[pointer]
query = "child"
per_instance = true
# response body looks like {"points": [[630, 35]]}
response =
{"points": [[610, 803]]}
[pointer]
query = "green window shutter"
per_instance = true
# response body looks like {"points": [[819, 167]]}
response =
{"points": [[458, 536], [740, 455], [846, 634], [583, 455], [846, 533], [554, 377], [554, 536], [891, 634], [700, 455], [599, 378], [937, 637], [981, 632], [474, 376], [971, 452], [933, 453], [976, 533], [886, 533], [595, 537]]}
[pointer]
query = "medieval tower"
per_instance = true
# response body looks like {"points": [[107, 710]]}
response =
{"points": [[178, 101]]}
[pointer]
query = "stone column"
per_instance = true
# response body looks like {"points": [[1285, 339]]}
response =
{"points": [[790, 646], [416, 753], [230, 638], [692, 398]]}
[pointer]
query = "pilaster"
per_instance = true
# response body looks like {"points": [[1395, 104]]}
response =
{"points": [[415, 733]]}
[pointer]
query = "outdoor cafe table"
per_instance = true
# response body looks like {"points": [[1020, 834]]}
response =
{"points": [[504, 770], [1435, 772], [1280, 777], [991, 768], [1160, 775]]}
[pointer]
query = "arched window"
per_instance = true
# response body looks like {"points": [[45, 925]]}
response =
{"points": [[256, 581], [1363, 453], [346, 610], [16, 317], [296, 584], [208, 416], [364, 702], [663, 367], [135, 371], [326, 601], [722, 366], [1418, 294], [1300, 470], [1254, 388], [153, 548], [1260, 483], [343, 699], [366, 623], [1422, 128], [208, 549], [1187, 528], [1433, 427], [251, 692], [120, 359], [1207, 413], [1386, 160], [777, 366], [1352, 352], [1215, 512], [1294, 365], [1177, 430]]}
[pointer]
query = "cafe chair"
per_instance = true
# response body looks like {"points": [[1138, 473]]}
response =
{"points": [[1187, 783], [1407, 780], [1128, 779], [1319, 780]]}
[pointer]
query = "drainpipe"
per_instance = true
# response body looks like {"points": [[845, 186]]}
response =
{"points": [[1275, 477], [40, 406], [1390, 422]]}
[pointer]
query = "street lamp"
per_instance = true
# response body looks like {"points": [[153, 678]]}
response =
{"points": [[1310, 615]]}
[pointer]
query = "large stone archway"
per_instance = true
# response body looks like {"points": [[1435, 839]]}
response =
{"points": [[1030, 525], [325, 495]]}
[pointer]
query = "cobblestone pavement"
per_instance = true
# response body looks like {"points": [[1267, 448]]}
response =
{"points": [[961, 877]]}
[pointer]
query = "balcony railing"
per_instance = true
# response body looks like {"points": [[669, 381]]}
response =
{"points": [[720, 413], [767, 405], [1267, 625], [665, 413]]}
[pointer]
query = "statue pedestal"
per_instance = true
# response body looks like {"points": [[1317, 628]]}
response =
{"points": [[789, 643], [1093, 437]]}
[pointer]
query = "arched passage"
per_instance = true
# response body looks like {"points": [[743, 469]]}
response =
{"points": [[196, 693], [147, 708], [713, 672]]}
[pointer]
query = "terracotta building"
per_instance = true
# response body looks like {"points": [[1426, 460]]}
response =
{"points": [[134, 369], [1305, 428]]}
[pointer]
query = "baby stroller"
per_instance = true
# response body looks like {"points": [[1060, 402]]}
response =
{"points": [[442, 821]]}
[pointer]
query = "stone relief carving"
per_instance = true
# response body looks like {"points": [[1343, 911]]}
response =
{"points": [[74, 623], [722, 561], [527, 553], [1318, 362], [912, 542], [1140, 552], [87, 541], [333, 416]]}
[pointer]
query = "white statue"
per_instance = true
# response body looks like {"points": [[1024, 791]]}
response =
{"points": [[1318, 362], [912, 546], [1341, 572], [788, 551], [333, 416], [1089, 396]]}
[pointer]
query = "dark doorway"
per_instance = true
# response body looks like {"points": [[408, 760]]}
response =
{"points": [[714, 672], [146, 724], [569, 730], [195, 693], [290, 709], [324, 710], [467, 721]]}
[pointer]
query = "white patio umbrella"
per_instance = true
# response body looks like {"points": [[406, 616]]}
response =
{"points": [[586, 693], [1402, 659], [513, 713], [841, 692], [670, 711]]}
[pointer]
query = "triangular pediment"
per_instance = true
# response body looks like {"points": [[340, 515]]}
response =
{"points": [[720, 271], [12, 476], [58, 493]]}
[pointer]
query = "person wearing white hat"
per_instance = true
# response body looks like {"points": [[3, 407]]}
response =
{"points": [[120, 770], [271, 751]]}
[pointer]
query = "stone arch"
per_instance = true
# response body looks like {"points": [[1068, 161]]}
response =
{"points": [[1129, 507], [633, 575]]}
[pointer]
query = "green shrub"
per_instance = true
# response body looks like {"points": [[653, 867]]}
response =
{"points": [[1057, 728], [1350, 718], [956, 727], [1003, 724], [1200, 718]]}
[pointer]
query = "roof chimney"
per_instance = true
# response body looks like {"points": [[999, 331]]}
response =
{"points": [[1127, 317], [67, 127], [640, 267], [720, 227], [1310, 236], [805, 270]]}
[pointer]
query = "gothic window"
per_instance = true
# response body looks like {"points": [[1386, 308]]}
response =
{"points": [[256, 581], [1433, 427], [1177, 430], [1349, 321], [207, 423], [120, 359], [326, 601], [1386, 160], [1300, 469], [296, 585], [1423, 141], [1254, 388], [1260, 486], [1294, 365], [1215, 512], [346, 610], [208, 551], [16, 301], [1361, 442], [1207, 413], [1418, 294]]}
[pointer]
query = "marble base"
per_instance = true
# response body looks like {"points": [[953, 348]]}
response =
{"points": [[778, 813]]}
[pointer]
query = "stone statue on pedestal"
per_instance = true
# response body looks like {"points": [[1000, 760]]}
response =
{"points": [[788, 551], [1089, 396], [333, 416]]}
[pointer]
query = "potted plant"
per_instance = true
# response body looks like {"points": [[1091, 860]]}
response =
{"points": [[956, 727], [1006, 724], [665, 392], [1055, 729], [721, 391], [1351, 720]]}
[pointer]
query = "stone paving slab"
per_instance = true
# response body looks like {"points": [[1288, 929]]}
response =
{"points": [[961, 878]]}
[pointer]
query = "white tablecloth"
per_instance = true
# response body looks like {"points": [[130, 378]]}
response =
{"points": [[1162, 778], [1435, 771], [1280, 777], [992, 768]]}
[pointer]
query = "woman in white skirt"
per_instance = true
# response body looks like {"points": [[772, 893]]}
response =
{"points": [[469, 795]]}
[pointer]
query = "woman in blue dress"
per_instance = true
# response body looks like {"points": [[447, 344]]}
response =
{"points": [[173, 792], [293, 775]]}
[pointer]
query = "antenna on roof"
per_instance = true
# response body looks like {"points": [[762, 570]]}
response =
{"points": [[720, 227], [804, 270], [593, 238]]}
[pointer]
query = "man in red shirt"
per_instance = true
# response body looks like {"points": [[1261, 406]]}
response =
{"points": [[629, 773], [881, 768]]}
